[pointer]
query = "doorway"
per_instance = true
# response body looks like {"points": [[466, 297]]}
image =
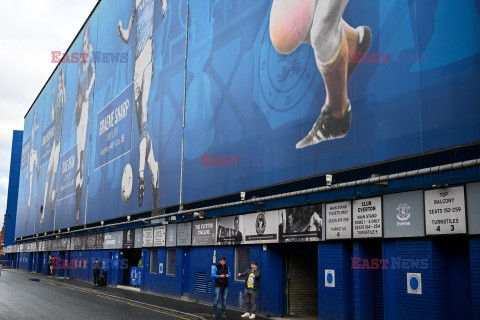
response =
{"points": [[300, 280], [131, 259]]}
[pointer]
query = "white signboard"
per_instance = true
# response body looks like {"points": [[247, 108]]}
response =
{"points": [[339, 220], [330, 278], [147, 237], [414, 283], [261, 227], [445, 211], [367, 218], [159, 236]]}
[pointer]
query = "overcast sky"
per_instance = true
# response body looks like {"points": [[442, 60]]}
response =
{"points": [[29, 31]]}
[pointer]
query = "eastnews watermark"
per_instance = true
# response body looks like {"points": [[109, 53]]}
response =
{"points": [[407, 57], [396, 263], [75, 264], [260, 161], [209, 160], [83, 57]]}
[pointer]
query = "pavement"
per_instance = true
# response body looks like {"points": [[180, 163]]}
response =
{"points": [[112, 299]]}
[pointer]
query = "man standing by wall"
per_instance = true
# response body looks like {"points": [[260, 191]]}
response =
{"points": [[252, 283], [50, 266], [221, 274], [96, 271]]}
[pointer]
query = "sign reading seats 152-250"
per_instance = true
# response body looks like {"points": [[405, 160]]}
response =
{"points": [[445, 211]]}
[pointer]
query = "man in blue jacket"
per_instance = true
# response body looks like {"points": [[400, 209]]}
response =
{"points": [[221, 274]]}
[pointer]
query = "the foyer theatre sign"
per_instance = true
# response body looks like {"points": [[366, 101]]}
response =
{"points": [[339, 220], [367, 218], [445, 211], [203, 232]]}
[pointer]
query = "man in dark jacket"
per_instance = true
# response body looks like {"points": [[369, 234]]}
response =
{"points": [[50, 266], [252, 283], [96, 271], [221, 274]]}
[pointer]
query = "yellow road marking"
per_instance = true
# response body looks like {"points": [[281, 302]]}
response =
{"points": [[113, 299], [128, 303]]}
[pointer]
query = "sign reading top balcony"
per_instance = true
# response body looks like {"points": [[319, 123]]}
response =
{"points": [[445, 211], [339, 220]]}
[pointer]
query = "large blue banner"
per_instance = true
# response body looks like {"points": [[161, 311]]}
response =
{"points": [[273, 93], [276, 93], [137, 116]]}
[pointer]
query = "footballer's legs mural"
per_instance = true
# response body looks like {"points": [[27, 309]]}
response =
{"points": [[137, 109], [57, 103], [85, 82], [320, 24]]}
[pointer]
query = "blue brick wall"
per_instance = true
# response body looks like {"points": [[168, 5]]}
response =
{"points": [[433, 302], [80, 273], [104, 257], [24, 261], [334, 303], [475, 275], [353, 295], [162, 283], [363, 290], [108, 258], [201, 260]]}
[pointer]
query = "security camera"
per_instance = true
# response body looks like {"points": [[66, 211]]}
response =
{"points": [[199, 214], [328, 179], [128, 218], [242, 195]]}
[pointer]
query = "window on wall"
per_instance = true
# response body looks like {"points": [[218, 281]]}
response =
{"points": [[171, 261], [154, 261], [242, 261]]}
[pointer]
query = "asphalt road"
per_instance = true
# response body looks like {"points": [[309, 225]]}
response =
{"points": [[21, 298]]}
